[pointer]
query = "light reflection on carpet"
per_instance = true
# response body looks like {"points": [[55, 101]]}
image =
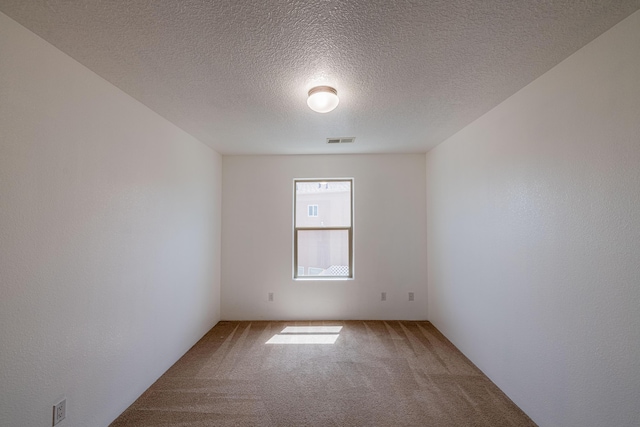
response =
{"points": [[306, 335]]}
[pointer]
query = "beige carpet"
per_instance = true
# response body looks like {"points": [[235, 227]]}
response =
{"points": [[376, 373]]}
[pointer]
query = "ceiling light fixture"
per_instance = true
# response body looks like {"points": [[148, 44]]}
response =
{"points": [[323, 99]]}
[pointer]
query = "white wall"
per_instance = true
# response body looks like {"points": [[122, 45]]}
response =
{"points": [[389, 238], [109, 239], [534, 238]]}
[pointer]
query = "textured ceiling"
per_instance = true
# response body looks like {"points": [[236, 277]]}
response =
{"points": [[235, 74]]}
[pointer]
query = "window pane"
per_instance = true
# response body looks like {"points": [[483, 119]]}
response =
{"points": [[324, 252], [331, 200]]}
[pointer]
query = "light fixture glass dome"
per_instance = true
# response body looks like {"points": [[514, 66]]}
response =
{"points": [[323, 99]]}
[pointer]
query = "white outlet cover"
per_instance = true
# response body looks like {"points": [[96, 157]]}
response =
{"points": [[59, 411]]}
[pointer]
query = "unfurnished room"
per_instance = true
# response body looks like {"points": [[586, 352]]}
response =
{"points": [[319, 213]]}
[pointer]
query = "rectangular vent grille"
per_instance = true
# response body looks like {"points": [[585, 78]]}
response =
{"points": [[340, 140]]}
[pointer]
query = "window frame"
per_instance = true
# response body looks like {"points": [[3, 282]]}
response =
{"points": [[350, 229]]}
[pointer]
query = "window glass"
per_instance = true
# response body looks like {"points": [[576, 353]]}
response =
{"points": [[332, 201], [323, 233], [324, 252]]}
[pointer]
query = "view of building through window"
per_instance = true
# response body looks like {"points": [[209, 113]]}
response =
{"points": [[323, 230]]}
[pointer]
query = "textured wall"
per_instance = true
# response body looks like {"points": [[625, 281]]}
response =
{"points": [[534, 238], [389, 238], [109, 239]]}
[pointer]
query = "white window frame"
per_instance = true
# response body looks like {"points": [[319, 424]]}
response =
{"points": [[350, 229], [312, 211]]}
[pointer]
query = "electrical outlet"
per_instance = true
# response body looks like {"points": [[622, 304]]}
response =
{"points": [[270, 296], [383, 296], [411, 296], [59, 411]]}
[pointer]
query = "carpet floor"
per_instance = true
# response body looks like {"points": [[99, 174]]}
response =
{"points": [[346, 373]]}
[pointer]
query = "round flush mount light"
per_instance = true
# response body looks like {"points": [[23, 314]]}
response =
{"points": [[323, 99]]}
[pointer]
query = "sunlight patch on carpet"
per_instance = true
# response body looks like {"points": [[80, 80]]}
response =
{"points": [[303, 339], [306, 335], [311, 330]]}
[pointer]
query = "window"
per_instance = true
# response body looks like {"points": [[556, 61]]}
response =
{"points": [[323, 228]]}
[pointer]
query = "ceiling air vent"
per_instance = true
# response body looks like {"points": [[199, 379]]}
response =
{"points": [[340, 140]]}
